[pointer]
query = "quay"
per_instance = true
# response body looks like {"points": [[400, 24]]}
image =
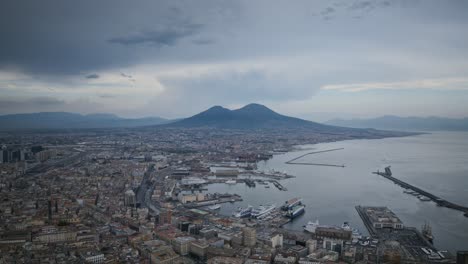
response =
{"points": [[225, 199], [439, 201], [315, 164]]}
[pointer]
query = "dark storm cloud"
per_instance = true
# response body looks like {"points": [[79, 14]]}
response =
{"points": [[166, 36], [92, 76], [70, 37]]}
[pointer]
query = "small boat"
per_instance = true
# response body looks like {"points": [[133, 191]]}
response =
{"points": [[424, 198], [215, 207], [267, 186], [231, 182]]}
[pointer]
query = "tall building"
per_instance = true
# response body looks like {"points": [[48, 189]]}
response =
{"points": [[250, 236], [130, 199], [462, 257], [165, 217], [181, 245]]}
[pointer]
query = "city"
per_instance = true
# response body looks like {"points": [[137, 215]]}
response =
{"points": [[234, 132], [115, 196]]}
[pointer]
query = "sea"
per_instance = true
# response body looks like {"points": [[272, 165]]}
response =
{"points": [[436, 162]]}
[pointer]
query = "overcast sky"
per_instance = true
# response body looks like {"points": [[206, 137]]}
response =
{"points": [[311, 59]]}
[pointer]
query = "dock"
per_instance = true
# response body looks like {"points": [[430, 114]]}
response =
{"points": [[293, 161], [439, 201], [227, 199]]}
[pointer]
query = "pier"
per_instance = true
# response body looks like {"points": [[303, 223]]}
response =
{"points": [[279, 186], [439, 201], [293, 161]]}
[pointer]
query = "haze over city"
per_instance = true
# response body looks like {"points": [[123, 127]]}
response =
{"points": [[316, 60]]}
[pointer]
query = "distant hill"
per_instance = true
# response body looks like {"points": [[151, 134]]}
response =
{"points": [[252, 116], [406, 123], [64, 120]]}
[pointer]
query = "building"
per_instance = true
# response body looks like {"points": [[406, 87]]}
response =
{"points": [[181, 245], [276, 240], [311, 245], [198, 248], [130, 199], [280, 259], [187, 198], [92, 257], [382, 217], [250, 236], [225, 260], [165, 217], [57, 236], [333, 237], [462, 257], [227, 173]]}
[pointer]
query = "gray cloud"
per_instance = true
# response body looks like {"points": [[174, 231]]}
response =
{"points": [[165, 36], [327, 11], [362, 5], [51, 53], [92, 76], [203, 41]]}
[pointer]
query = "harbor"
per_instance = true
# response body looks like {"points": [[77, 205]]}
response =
{"points": [[424, 195]]}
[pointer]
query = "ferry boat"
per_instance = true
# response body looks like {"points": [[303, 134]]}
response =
{"points": [[215, 207], [262, 210], [295, 211], [291, 203], [244, 212]]}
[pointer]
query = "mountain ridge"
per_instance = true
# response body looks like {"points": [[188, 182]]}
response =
{"points": [[430, 123], [68, 120]]}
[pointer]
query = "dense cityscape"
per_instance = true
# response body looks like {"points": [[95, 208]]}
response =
{"points": [[129, 196], [234, 132]]}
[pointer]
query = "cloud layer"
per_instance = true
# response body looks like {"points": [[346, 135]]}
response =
{"points": [[173, 58]]}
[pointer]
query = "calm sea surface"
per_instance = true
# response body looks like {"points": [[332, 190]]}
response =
{"points": [[436, 162]]}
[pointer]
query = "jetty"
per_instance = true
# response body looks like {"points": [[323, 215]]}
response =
{"points": [[293, 161], [439, 201]]}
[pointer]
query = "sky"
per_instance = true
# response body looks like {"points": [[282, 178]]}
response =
{"points": [[311, 59]]}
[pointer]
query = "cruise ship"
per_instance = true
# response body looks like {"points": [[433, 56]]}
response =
{"points": [[311, 226], [291, 203], [244, 212], [263, 210], [295, 211]]}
